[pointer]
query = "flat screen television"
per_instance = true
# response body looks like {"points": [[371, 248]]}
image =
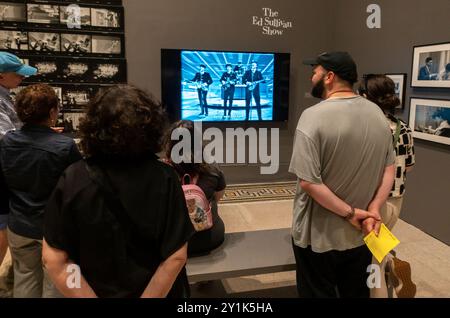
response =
{"points": [[225, 86]]}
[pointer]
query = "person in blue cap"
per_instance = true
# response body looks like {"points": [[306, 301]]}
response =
{"points": [[12, 72]]}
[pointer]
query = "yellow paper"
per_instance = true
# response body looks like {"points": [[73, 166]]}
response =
{"points": [[380, 246]]}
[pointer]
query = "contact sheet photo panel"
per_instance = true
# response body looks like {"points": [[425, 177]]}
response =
{"points": [[78, 47]]}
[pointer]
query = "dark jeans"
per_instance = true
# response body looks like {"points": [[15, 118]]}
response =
{"points": [[248, 99], [204, 242], [202, 98], [228, 95], [333, 274]]}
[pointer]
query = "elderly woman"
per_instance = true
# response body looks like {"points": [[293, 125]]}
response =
{"points": [[117, 223], [32, 159]]}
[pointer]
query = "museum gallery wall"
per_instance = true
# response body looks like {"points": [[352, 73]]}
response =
{"points": [[392, 49], [430, 117], [319, 25], [78, 48]]}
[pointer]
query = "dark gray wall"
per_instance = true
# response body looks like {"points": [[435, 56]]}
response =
{"points": [[227, 25], [405, 23], [318, 26]]}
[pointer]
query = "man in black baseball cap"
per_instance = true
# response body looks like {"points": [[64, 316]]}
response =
{"points": [[339, 64], [344, 160]]}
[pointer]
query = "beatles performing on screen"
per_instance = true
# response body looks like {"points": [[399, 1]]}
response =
{"points": [[220, 92], [228, 80], [202, 79]]}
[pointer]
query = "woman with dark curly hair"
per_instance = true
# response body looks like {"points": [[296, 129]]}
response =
{"points": [[31, 161], [380, 89], [120, 215], [211, 180]]}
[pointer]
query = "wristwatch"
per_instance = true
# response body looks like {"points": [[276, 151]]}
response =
{"points": [[350, 214]]}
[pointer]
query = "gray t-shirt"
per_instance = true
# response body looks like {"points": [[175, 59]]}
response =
{"points": [[344, 143]]}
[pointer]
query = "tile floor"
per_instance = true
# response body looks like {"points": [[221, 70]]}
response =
{"points": [[429, 258]]}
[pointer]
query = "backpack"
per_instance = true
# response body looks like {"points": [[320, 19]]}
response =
{"points": [[198, 206]]}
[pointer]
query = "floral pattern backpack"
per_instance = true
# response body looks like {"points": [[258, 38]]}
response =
{"points": [[198, 206]]}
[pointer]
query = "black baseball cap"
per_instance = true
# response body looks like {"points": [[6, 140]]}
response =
{"points": [[341, 63]]}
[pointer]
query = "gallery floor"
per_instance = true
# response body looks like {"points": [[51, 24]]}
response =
{"points": [[429, 258]]}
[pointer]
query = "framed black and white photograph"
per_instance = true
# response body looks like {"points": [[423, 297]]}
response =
{"points": [[58, 91], [13, 12], [71, 121], [15, 91], [76, 43], [97, 88], [75, 98], [430, 119], [400, 87], [74, 16], [111, 45], [109, 72], [43, 13], [13, 40], [100, 2], [75, 71], [44, 42], [48, 70], [105, 18], [431, 66]]}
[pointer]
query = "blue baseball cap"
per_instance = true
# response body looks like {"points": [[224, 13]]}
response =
{"points": [[9, 63]]}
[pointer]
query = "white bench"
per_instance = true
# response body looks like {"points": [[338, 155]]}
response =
{"points": [[245, 254]]}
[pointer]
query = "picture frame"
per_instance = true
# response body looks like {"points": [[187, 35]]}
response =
{"points": [[12, 13], [105, 44], [44, 42], [99, 2], [430, 119], [71, 121], [55, 42], [431, 66], [17, 90], [76, 97], [106, 18], [400, 87], [48, 70], [13, 40], [75, 70], [82, 14], [100, 16], [76, 44], [43, 13], [109, 71]]}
